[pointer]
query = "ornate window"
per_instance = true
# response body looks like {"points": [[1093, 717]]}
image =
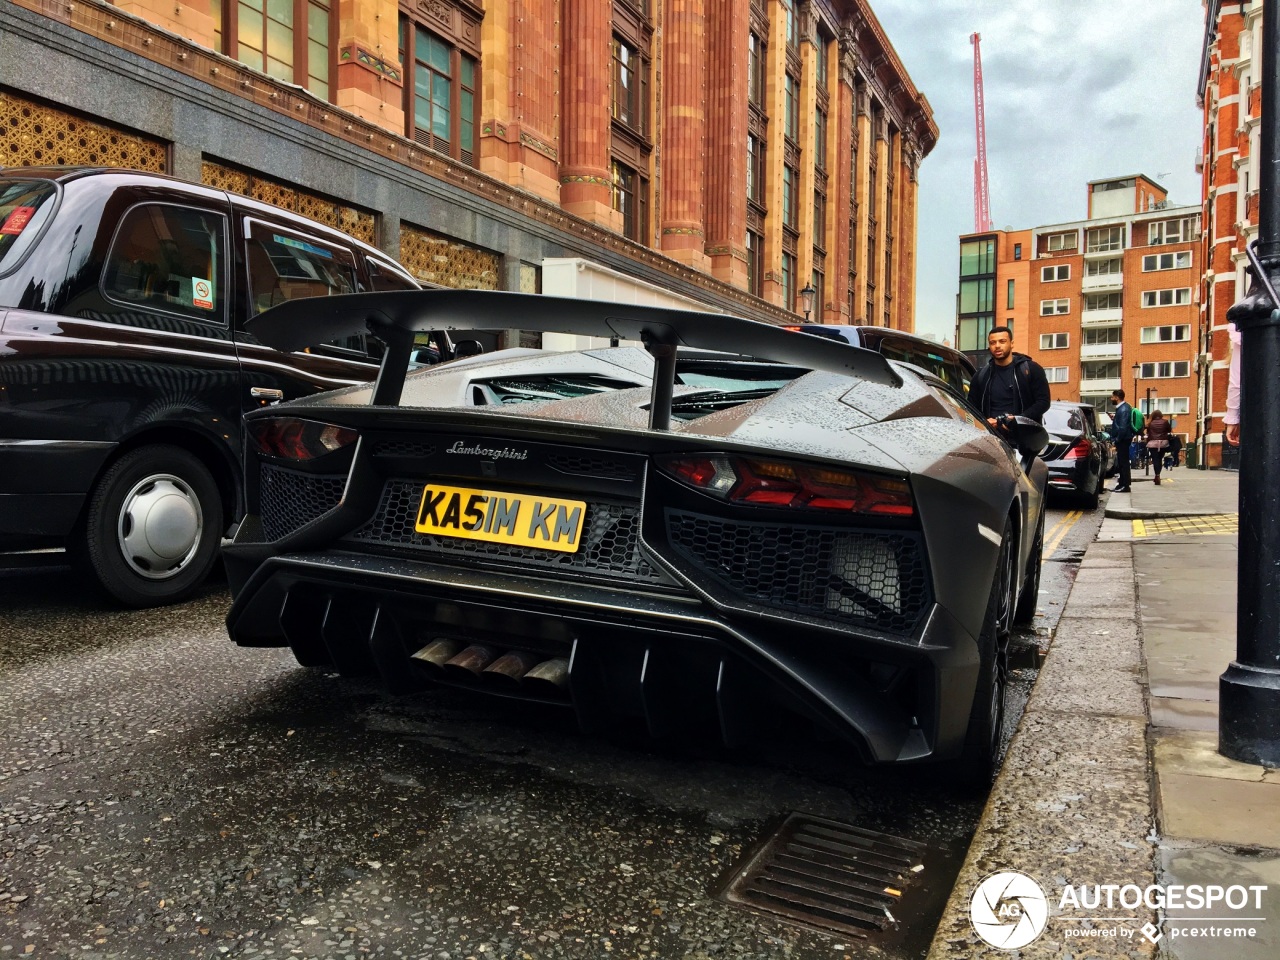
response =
{"points": [[630, 147], [291, 40], [629, 198], [439, 47]]}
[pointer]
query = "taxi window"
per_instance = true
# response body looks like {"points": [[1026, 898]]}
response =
{"points": [[169, 258], [284, 265], [384, 277], [24, 207]]}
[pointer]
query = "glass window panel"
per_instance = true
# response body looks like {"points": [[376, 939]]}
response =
{"points": [[250, 28], [249, 56], [280, 44], [281, 11], [318, 24], [422, 113], [439, 56], [318, 61], [468, 72], [252, 5]]}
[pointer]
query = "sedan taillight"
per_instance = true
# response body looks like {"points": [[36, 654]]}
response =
{"points": [[779, 483], [1080, 449], [295, 439]]}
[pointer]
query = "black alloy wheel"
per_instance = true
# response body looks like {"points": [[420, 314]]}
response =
{"points": [[1025, 612]]}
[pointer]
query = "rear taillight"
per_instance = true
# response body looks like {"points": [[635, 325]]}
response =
{"points": [[779, 483], [1078, 450], [296, 439]]}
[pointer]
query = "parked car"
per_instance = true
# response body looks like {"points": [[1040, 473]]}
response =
{"points": [[947, 364], [1079, 455], [125, 366], [687, 539]]}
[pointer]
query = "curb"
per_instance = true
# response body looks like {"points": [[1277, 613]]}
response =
{"points": [[1072, 803]]}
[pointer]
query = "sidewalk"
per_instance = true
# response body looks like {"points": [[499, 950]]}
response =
{"points": [[1113, 776]]}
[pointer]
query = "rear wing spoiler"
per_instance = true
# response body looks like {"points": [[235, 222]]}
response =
{"points": [[394, 317]]}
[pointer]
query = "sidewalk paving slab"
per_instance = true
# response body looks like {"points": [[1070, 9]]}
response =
{"points": [[1113, 775]]}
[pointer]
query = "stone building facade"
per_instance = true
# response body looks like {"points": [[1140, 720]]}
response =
{"points": [[1230, 91], [728, 153]]}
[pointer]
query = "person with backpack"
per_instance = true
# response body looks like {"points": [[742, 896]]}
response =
{"points": [[1126, 423], [1012, 384]]}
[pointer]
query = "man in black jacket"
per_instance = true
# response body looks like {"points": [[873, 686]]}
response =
{"points": [[1011, 384]]}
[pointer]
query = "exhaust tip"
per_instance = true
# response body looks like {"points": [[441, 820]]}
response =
{"points": [[550, 677], [468, 664], [436, 653], [509, 668]]}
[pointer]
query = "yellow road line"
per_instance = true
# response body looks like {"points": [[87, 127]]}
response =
{"points": [[1061, 529]]}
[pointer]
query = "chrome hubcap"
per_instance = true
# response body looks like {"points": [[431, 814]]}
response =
{"points": [[160, 526]]}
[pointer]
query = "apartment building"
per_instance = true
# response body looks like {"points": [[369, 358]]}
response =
{"points": [[758, 157], [1108, 302], [1230, 91]]}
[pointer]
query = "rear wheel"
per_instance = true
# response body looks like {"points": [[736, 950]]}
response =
{"points": [[977, 763], [153, 525], [1025, 612]]}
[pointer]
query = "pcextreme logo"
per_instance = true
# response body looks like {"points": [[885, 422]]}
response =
{"points": [[1009, 910]]}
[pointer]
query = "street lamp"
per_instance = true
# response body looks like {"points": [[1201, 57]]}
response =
{"points": [[1151, 391], [806, 295], [1137, 369]]}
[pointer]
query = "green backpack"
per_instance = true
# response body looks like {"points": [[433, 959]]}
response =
{"points": [[1138, 420]]}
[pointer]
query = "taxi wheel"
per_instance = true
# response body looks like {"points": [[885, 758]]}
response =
{"points": [[152, 526]]}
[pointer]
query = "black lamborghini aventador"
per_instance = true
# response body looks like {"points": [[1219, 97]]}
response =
{"points": [[711, 523]]}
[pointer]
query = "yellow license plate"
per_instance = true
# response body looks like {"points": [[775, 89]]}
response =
{"points": [[521, 519]]}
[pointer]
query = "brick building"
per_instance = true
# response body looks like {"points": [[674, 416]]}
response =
{"points": [[1103, 303], [726, 153], [1230, 91]]}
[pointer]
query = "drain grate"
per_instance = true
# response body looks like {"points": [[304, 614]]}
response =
{"points": [[830, 875]]}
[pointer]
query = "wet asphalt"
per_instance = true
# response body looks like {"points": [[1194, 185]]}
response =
{"points": [[164, 793]]}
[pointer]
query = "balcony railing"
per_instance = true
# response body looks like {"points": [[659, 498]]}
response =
{"points": [[1102, 282], [1100, 351], [1104, 385], [1094, 318]]}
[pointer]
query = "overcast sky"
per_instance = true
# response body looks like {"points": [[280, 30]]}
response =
{"points": [[1076, 90]]}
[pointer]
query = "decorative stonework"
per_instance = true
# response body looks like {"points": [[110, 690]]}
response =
{"points": [[449, 263], [682, 232], [437, 10], [540, 146], [354, 53], [350, 220], [598, 181], [33, 135]]}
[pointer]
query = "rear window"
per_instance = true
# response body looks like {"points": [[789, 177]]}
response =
{"points": [[1063, 420], [24, 207]]}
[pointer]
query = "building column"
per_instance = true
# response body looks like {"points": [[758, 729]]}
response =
{"points": [[910, 214], [586, 188], [775, 98], [861, 189], [840, 199], [880, 144], [519, 129], [728, 22], [368, 55], [683, 126]]}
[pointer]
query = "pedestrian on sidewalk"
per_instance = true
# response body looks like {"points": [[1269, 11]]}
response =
{"points": [[1232, 420], [1012, 384], [1158, 431], [1122, 434]]}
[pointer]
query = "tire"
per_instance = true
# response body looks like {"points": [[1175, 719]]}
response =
{"points": [[1090, 500], [977, 764], [153, 526], [1025, 612]]}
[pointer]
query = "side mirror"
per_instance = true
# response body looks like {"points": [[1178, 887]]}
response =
{"points": [[1027, 436], [467, 348]]}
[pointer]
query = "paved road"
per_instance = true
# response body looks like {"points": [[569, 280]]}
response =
{"points": [[165, 794]]}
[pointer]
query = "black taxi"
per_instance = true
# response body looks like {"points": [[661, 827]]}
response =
{"points": [[125, 367]]}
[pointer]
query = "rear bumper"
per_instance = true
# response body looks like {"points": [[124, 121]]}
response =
{"points": [[672, 661], [43, 486], [1079, 476]]}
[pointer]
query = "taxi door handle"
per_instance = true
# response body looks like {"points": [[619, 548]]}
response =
{"points": [[266, 393]]}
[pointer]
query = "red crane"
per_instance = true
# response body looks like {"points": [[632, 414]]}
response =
{"points": [[981, 189]]}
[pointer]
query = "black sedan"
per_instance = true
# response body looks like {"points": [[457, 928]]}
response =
{"points": [[659, 532], [1079, 455]]}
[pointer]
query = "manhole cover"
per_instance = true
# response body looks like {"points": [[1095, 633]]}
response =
{"points": [[842, 878]]}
